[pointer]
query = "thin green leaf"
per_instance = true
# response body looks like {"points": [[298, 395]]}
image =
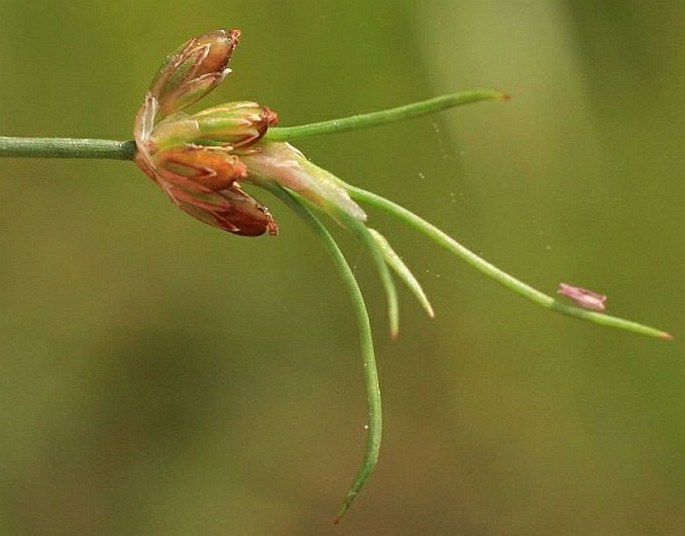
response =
{"points": [[397, 264], [373, 392], [377, 255], [382, 117]]}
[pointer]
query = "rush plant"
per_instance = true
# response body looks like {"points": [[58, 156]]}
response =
{"points": [[202, 159]]}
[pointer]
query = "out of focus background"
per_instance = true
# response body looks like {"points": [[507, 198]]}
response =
{"points": [[160, 377]]}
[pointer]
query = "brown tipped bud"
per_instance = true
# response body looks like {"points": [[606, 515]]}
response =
{"points": [[193, 70], [232, 210], [236, 123], [232, 125], [211, 168]]}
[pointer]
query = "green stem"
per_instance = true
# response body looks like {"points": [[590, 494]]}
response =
{"points": [[495, 273], [126, 150], [408, 111], [67, 148], [373, 393]]}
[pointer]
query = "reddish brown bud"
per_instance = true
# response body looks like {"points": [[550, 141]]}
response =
{"points": [[231, 209], [193, 70], [209, 167]]}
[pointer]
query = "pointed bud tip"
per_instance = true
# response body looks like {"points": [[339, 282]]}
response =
{"points": [[221, 44], [665, 336]]}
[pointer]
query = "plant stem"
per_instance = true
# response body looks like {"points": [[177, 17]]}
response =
{"points": [[126, 150], [408, 111], [373, 392], [67, 148], [495, 273]]}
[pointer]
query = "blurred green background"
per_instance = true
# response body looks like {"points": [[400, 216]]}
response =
{"points": [[160, 377]]}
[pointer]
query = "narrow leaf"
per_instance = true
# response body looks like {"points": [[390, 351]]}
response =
{"points": [[397, 264]]}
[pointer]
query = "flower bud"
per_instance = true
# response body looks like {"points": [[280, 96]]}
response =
{"points": [[193, 70], [236, 123], [232, 125], [212, 168], [232, 210]]}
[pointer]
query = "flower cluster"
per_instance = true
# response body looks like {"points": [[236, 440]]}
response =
{"points": [[195, 158], [200, 160]]}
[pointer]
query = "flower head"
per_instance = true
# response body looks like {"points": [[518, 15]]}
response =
{"points": [[201, 160], [195, 158]]}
